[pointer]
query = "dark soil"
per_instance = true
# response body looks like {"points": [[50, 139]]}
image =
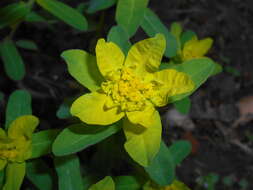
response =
{"points": [[228, 22]]}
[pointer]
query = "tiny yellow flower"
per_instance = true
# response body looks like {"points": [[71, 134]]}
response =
{"points": [[132, 87], [15, 146], [195, 48]]}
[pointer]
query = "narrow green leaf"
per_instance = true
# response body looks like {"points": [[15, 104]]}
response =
{"points": [[97, 5], [152, 25], [179, 151], [199, 70], [13, 63], [161, 169], [38, 172], [83, 67], [15, 173], [13, 13], [129, 14], [42, 142], [119, 36], [186, 36], [19, 104], [183, 105], [69, 174], [105, 184], [80, 136], [127, 183], [65, 13], [27, 44]]}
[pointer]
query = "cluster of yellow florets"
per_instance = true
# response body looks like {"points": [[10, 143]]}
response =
{"points": [[8, 149], [13, 150], [129, 92]]}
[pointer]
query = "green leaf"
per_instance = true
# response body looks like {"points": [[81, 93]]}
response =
{"points": [[65, 13], [129, 14], [183, 105], [186, 36], [27, 44], [176, 29], [13, 62], [19, 104], [15, 173], [69, 174], [83, 67], [34, 17], [199, 70], [161, 169], [38, 172], [97, 5], [218, 69], [63, 112], [232, 70], [13, 13], [209, 180], [244, 184], [120, 37], [105, 184], [180, 150], [152, 25], [42, 142], [127, 183], [228, 180], [80, 136]]}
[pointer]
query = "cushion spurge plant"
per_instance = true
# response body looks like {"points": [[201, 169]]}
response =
{"points": [[16, 148], [195, 48], [129, 88]]}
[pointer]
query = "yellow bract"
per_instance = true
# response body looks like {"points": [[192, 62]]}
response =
{"points": [[133, 87], [110, 59], [16, 146], [195, 48]]}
